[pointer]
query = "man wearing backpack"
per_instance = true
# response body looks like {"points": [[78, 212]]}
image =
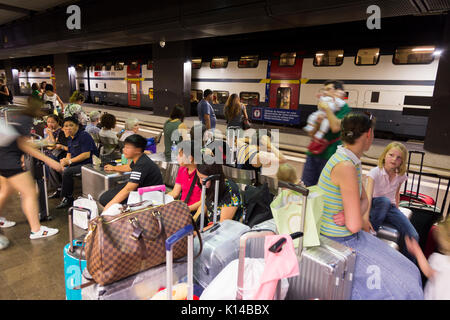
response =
{"points": [[4, 93]]}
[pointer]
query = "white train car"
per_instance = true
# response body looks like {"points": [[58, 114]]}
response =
{"points": [[37, 75]]}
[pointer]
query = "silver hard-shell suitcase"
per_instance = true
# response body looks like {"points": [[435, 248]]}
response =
{"points": [[326, 271], [220, 242], [95, 180]]}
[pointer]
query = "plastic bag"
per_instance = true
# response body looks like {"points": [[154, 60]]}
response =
{"points": [[80, 218], [224, 286], [155, 197]]}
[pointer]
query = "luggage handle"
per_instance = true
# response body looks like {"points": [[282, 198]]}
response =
{"points": [[170, 242], [277, 246], [161, 187], [305, 192], [213, 177], [241, 263], [70, 215]]}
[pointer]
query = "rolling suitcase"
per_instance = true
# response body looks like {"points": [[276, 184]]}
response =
{"points": [[423, 214], [220, 242], [74, 261], [95, 180], [37, 169], [326, 271]]}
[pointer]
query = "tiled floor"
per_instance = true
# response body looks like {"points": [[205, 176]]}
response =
{"points": [[33, 269]]}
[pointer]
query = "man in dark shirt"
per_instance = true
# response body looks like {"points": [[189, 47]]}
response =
{"points": [[81, 148], [144, 172]]}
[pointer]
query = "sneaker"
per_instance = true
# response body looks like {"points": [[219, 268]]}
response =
{"points": [[43, 233], [4, 242], [5, 223]]}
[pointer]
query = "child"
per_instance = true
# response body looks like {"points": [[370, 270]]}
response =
{"points": [[437, 268], [335, 104], [383, 193], [287, 173]]}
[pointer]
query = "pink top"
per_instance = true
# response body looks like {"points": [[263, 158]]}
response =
{"points": [[382, 187], [185, 180]]}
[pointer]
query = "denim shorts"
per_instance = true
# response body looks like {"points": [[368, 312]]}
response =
{"points": [[381, 272]]}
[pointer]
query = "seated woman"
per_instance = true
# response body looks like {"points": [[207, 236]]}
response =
{"points": [[107, 136], [251, 157], [187, 177], [144, 172], [81, 148], [131, 127], [73, 109], [174, 131], [229, 206], [381, 272]]}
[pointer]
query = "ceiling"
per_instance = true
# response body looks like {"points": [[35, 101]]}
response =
{"points": [[33, 28]]}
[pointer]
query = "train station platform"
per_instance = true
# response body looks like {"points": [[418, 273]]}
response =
{"points": [[293, 141]]}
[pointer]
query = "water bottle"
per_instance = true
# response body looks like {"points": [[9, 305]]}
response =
{"points": [[174, 151], [123, 159]]}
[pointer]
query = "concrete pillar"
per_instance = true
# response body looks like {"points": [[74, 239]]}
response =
{"points": [[437, 138], [61, 65], [171, 76], [12, 77]]}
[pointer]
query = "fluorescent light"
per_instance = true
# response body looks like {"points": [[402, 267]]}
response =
{"points": [[340, 55], [422, 49], [319, 54], [437, 53]]}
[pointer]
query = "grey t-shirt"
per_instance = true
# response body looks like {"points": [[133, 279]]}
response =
{"points": [[204, 107]]}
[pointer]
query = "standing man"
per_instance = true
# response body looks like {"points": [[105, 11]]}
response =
{"points": [[316, 162], [4, 93], [205, 110]]}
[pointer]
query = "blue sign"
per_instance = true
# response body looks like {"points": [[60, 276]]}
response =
{"points": [[284, 116]]}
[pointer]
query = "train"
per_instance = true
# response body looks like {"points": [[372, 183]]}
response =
{"points": [[280, 88]]}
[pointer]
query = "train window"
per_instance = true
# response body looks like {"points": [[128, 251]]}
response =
{"points": [[287, 59], [104, 85], [119, 66], [329, 58], [28, 85], [96, 85], [108, 66], [219, 62], [367, 57], [196, 95], [133, 66], [220, 97], [283, 98], [375, 97], [249, 98], [414, 55], [82, 87], [41, 69], [133, 91], [196, 63], [22, 85], [149, 65], [33, 69], [248, 62], [98, 67]]}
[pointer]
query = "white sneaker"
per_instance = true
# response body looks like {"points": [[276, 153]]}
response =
{"points": [[43, 233], [5, 223], [4, 242]]}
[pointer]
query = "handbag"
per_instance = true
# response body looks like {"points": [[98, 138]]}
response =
{"points": [[81, 218], [246, 124], [317, 146], [122, 245]]}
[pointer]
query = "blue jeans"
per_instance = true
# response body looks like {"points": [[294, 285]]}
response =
{"points": [[383, 211], [312, 169], [381, 272]]}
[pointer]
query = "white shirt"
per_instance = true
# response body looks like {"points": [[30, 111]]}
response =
{"points": [[437, 288], [382, 187]]}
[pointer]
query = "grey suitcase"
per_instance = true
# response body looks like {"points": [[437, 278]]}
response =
{"points": [[266, 225], [220, 243], [95, 180], [326, 271]]}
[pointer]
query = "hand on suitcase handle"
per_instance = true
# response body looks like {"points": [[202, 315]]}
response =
{"points": [[143, 190]]}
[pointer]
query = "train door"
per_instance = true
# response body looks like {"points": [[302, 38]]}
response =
{"points": [[134, 84], [285, 74]]}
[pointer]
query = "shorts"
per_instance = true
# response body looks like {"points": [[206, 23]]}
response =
{"points": [[8, 173]]}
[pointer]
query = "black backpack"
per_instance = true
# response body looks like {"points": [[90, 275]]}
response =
{"points": [[257, 202]]}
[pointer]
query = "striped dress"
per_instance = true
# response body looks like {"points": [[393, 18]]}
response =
{"points": [[332, 195]]}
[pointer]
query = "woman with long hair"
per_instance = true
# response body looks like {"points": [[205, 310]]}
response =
{"points": [[14, 179], [234, 111]]}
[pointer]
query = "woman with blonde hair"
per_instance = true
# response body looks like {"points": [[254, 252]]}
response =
{"points": [[235, 112]]}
